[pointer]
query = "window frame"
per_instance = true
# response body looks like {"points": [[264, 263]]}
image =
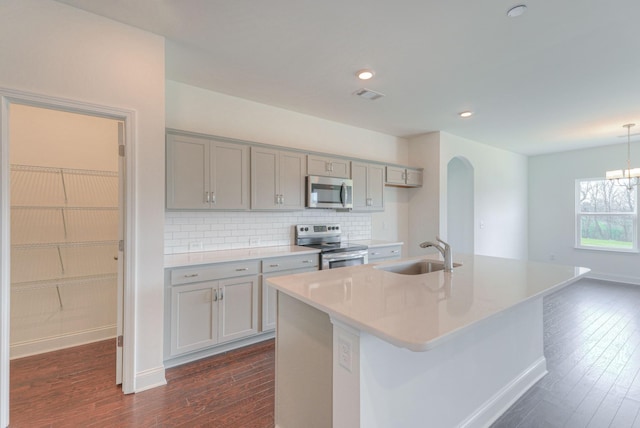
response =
{"points": [[580, 214]]}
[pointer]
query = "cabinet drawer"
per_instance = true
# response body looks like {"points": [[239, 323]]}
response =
{"points": [[384, 253], [294, 262], [216, 271]]}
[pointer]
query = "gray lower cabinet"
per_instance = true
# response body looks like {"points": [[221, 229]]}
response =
{"points": [[206, 174], [212, 304], [368, 186], [328, 166], [277, 267], [381, 254], [277, 179]]}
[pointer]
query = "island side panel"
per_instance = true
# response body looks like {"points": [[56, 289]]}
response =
{"points": [[467, 381], [304, 365]]}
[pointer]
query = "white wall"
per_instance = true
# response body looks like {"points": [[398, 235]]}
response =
{"points": [[52, 49], [552, 210], [500, 195], [198, 110], [424, 202], [60, 139]]}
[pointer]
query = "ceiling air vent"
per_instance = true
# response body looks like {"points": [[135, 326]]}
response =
{"points": [[368, 94]]}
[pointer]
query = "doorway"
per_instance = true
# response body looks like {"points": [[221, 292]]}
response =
{"points": [[126, 242], [460, 205], [65, 229]]}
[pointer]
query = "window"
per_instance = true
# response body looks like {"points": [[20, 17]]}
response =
{"points": [[606, 216]]}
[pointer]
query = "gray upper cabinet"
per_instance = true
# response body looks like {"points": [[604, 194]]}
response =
{"points": [[206, 174], [277, 179], [368, 186], [404, 177], [328, 166]]}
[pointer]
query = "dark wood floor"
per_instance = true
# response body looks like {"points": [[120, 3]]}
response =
{"points": [[592, 345], [75, 388]]}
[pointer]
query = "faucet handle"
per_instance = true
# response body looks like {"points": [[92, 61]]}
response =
{"points": [[442, 242]]}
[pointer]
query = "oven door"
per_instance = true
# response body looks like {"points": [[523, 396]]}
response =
{"points": [[337, 260]]}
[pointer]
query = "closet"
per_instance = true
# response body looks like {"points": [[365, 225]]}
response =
{"points": [[64, 229]]}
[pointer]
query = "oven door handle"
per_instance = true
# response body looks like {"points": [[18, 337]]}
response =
{"points": [[343, 256]]}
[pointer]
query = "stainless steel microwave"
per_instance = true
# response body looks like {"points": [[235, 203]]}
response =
{"points": [[329, 192]]}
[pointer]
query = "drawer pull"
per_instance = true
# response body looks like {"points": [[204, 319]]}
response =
{"points": [[374, 254], [395, 251], [241, 269], [191, 275], [307, 261], [276, 265]]}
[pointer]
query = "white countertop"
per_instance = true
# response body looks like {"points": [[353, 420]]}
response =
{"points": [[204, 257], [373, 243], [418, 312]]}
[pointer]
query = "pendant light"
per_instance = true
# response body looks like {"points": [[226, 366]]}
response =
{"points": [[626, 177]]}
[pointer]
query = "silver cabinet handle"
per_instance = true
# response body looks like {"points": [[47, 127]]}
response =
{"points": [[206, 197], [307, 261], [213, 197], [395, 251], [241, 269], [374, 254], [191, 275], [221, 295], [282, 199], [215, 295], [276, 265]]}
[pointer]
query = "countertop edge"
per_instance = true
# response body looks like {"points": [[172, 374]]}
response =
{"points": [[236, 255], [437, 341]]}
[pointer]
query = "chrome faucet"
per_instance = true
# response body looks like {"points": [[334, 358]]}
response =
{"points": [[445, 250]]}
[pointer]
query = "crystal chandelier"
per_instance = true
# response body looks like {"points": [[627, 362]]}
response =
{"points": [[628, 177]]}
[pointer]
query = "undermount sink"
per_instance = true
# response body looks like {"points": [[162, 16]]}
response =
{"points": [[414, 267]]}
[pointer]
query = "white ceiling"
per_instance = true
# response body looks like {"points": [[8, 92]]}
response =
{"points": [[564, 75]]}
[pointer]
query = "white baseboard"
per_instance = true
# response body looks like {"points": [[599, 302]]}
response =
{"points": [[48, 344], [218, 349], [633, 280], [150, 378], [509, 394]]}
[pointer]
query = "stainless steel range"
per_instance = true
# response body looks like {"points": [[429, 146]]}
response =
{"points": [[328, 239]]}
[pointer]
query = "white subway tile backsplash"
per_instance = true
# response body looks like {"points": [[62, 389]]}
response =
{"points": [[231, 230]]}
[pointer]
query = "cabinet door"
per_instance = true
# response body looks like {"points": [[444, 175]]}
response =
{"points": [[187, 169], [395, 175], [360, 194], [238, 307], [318, 165], [229, 184], [414, 177], [193, 318], [269, 297], [375, 187], [264, 178], [329, 167], [293, 169], [340, 168]]}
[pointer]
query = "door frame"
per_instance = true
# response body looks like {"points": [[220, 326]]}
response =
{"points": [[8, 97]]}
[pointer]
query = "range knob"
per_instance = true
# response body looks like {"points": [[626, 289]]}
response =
{"points": [[302, 229], [306, 229], [337, 227]]}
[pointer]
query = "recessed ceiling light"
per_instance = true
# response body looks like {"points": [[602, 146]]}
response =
{"points": [[365, 74], [466, 114], [516, 11]]}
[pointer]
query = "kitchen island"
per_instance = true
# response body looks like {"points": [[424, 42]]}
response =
{"points": [[366, 347]]}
